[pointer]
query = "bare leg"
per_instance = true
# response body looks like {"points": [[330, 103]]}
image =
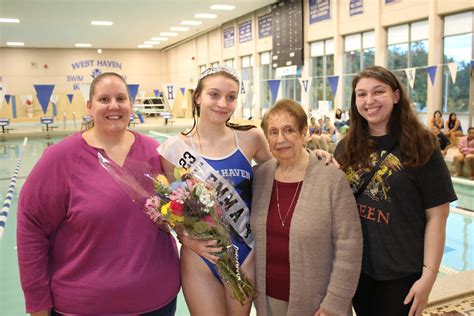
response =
{"points": [[203, 293], [458, 160], [233, 306], [469, 159]]}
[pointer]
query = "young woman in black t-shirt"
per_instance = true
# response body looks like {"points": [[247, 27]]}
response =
{"points": [[404, 207]]}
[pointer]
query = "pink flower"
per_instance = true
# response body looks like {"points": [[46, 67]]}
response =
{"points": [[152, 209]]}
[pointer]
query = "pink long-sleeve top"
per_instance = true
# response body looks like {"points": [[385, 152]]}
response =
{"points": [[466, 145], [84, 247]]}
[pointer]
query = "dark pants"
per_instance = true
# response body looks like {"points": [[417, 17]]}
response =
{"points": [[376, 298], [168, 310]]}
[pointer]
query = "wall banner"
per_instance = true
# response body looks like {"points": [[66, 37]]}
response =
{"points": [[319, 10], [229, 37], [265, 25], [245, 31], [356, 7]]}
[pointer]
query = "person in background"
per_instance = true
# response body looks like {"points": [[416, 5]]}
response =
{"points": [[453, 128], [403, 190], [308, 241], [465, 154], [436, 124], [84, 247], [341, 122], [314, 139], [329, 129]]}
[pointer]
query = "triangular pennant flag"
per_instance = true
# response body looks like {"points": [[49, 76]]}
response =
{"points": [[453, 69], [244, 87], [411, 73], [7, 98], [133, 89], [431, 70], [3, 91], [14, 115], [274, 86], [183, 90], [156, 92], [333, 82], [305, 84], [43, 93], [70, 96]]}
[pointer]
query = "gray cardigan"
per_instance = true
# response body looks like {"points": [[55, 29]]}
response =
{"points": [[325, 240]]}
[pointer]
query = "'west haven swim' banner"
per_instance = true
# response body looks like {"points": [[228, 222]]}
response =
{"points": [[236, 211]]}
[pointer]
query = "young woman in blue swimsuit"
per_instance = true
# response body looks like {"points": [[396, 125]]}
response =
{"points": [[229, 149]]}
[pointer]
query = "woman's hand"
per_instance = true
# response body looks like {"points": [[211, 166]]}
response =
{"points": [[204, 248], [328, 157], [419, 293]]}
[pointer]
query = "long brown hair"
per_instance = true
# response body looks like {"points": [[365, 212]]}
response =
{"points": [[415, 141], [197, 92]]}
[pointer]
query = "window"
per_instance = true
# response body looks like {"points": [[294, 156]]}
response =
{"points": [[247, 79], [214, 64], [359, 53], [229, 63], [202, 68], [407, 47], [266, 73], [322, 66], [457, 48]]}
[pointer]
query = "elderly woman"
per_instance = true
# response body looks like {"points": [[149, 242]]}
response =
{"points": [[308, 241]]}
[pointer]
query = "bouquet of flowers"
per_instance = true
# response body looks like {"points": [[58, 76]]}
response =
{"points": [[190, 204]]}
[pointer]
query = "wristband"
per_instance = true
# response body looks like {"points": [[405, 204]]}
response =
{"points": [[430, 268]]}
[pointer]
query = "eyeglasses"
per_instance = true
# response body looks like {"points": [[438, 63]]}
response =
{"points": [[287, 131]]}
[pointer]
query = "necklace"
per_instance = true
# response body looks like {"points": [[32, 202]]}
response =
{"points": [[283, 219], [199, 139]]}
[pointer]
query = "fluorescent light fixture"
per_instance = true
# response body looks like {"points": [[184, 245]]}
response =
{"points": [[159, 39], [224, 7], [99, 51], [102, 23], [191, 22], [168, 34], [205, 16], [179, 28], [144, 46], [151, 43], [83, 45], [9, 20], [15, 44]]}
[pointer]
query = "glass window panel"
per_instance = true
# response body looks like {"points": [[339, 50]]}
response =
{"points": [[246, 61], [398, 34], [317, 49], [397, 56], [368, 57], [419, 53], [347, 91], [214, 64], [368, 40], [458, 23], [352, 62], [352, 42], [265, 58], [229, 63], [202, 68], [457, 48], [329, 47], [419, 92], [419, 30]]}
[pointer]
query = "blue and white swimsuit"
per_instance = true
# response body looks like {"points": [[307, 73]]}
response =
{"points": [[236, 169]]}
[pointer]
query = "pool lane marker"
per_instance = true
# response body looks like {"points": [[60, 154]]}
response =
{"points": [[11, 189]]}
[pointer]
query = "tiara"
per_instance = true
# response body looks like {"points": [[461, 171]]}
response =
{"points": [[219, 68]]}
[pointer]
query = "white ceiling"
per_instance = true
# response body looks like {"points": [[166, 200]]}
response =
{"points": [[62, 23]]}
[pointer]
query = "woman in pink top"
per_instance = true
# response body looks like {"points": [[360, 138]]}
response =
{"points": [[84, 247]]}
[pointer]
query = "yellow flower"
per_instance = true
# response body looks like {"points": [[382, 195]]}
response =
{"points": [[163, 180], [165, 209], [179, 173]]}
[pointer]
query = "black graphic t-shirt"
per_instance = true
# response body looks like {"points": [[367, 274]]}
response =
{"points": [[392, 209]]}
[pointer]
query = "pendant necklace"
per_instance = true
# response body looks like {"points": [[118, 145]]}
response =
{"points": [[282, 219]]}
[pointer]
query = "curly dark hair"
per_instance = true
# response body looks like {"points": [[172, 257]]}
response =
{"points": [[416, 142]]}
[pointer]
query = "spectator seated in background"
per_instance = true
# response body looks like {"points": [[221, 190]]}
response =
{"points": [[341, 121], [329, 129], [436, 125], [453, 128], [314, 139], [465, 154]]}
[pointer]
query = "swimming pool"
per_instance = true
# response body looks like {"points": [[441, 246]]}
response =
{"points": [[458, 253]]}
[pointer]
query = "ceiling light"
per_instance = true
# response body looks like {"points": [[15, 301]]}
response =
{"points": [[99, 51], [15, 43], [191, 22], [144, 46], [179, 28], [106, 23], [168, 34], [160, 39], [83, 45], [205, 16], [225, 7], [9, 20], [151, 43]]}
